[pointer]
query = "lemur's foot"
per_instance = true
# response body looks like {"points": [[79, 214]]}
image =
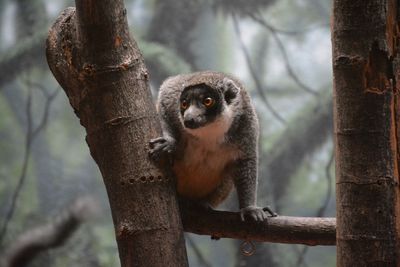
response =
{"points": [[255, 213], [160, 147]]}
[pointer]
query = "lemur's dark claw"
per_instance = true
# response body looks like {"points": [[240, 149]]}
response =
{"points": [[270, 211]]}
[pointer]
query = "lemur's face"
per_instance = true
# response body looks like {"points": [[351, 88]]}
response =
{"points": [[200, 105]]}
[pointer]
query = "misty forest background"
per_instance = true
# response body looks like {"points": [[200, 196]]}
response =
{"points": [[280, 49]]}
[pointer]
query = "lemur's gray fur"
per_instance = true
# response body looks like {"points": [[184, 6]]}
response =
{"points": [[210, 159]]}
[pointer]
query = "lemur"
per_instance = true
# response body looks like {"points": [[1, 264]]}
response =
{"points": [[210, 130]]}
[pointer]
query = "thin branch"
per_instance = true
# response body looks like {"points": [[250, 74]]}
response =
{"points": [[293, 32], [301, 252], [199, 254], [31, 134], [284, 53], [253, 72], [45, 116], [22, 177], [281, 229], [54, 234]]}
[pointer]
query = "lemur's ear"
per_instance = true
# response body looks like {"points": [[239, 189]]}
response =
{"points": [[229, 89]]}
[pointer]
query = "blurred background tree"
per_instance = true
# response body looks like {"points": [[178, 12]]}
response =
{"points": [[280, 49]]}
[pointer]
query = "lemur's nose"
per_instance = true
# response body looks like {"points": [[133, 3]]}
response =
{"points": [[190, 123], [192, 117]]}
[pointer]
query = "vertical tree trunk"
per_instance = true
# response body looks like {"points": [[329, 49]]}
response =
{"points": [[365, 38], [103, 74]]}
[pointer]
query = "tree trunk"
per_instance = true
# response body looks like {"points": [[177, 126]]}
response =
{"points": [[102, 72], [365, 38]]}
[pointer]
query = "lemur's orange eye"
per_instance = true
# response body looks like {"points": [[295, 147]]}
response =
{"points": [[208, 102], [184, 104]]}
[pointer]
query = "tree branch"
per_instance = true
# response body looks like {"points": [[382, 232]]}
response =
{"points": [[284, 53], [54, 234], [253, 72], [281, 229], [31, 134]]}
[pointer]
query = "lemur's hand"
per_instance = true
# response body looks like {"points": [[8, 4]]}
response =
{"points": [[161, 146], [255, 213]]}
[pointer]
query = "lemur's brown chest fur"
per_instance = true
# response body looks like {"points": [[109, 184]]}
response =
{"points": [[200, 171], [201, 167]]}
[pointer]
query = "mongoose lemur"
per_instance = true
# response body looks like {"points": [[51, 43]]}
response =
{"points": [[210, 130]]}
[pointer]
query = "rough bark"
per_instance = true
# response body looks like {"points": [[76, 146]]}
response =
{"points": [[102, 72], [365, 40], [281, 229]]}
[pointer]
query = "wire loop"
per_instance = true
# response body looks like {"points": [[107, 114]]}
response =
{"points": [[247, 248]]}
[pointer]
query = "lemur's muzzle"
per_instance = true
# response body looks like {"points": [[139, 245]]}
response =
{"points": [[194, 118]]}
